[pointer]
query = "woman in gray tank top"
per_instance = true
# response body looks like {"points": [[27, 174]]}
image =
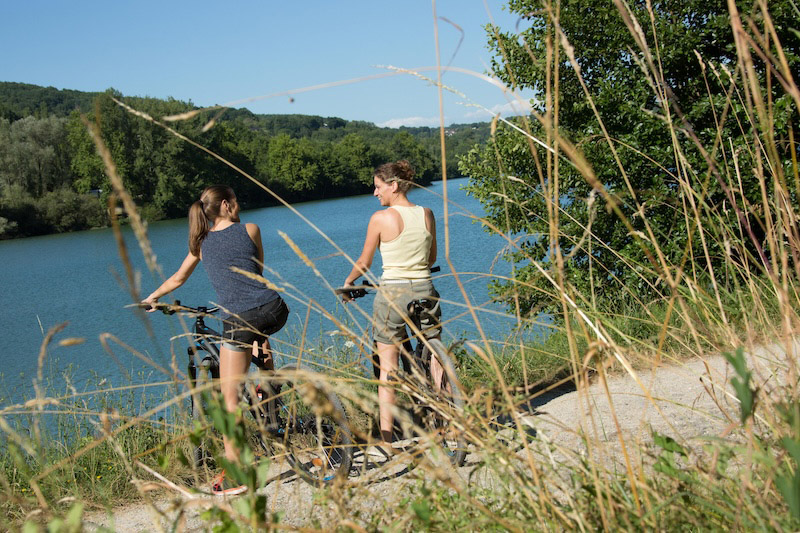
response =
{"points": [[406, 236], [254, 311]]}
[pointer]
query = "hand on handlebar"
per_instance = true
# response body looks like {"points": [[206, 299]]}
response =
{"points": [[344, 291], [351, 292], [149, 304]]}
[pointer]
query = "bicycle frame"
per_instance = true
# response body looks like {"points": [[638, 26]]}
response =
{"points": [[203, 342], [206, 340]]}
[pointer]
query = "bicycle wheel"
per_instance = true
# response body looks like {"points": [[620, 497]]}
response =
{"points": [[445, 402], [256, 419], [311, 424], [201, 376]]}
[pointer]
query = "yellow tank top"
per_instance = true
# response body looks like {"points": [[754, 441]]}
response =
{"points": [[406, 256]]}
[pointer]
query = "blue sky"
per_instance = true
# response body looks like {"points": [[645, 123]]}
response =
{"points": [[226, 53]]}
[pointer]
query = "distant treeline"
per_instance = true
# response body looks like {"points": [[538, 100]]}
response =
{"points": [[52, 179]]}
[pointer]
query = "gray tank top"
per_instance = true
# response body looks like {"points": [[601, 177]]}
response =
{"points": [[234, 247]]}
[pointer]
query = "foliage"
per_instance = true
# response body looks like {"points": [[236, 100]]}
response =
{"points": [[640, 113], [33, 154], [298, 157], [19, 100], [56, 211]]}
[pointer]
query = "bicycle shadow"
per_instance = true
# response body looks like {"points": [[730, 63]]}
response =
{"points": [[537, 395], [363, 464]]}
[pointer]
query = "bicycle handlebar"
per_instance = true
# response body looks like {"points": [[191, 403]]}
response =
{"points": [[357, 291], [176, 307]]}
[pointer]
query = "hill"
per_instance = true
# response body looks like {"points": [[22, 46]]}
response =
{"points": [[52, 180], [19, 100]]}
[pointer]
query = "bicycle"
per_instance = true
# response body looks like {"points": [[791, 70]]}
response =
{"points": [[434, 404], [316, 442]]}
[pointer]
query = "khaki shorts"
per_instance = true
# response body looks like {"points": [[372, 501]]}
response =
{"points": [[389, 319]]}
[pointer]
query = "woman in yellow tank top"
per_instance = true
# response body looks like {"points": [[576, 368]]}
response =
{"points": [[406, 236]]}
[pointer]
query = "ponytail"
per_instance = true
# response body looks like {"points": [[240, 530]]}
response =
{"points": [[205, 210], [198, 227]]}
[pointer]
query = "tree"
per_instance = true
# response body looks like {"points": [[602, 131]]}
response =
{"points": [[34, 155], [351, 163], [404, 146], [647, 129], [291, 165]]}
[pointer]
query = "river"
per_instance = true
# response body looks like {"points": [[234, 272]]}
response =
{"points": [[78, 278]]}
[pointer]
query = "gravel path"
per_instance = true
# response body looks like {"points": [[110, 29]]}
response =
{"points": [[686, 401]]}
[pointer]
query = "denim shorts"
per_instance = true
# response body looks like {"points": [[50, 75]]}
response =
{"points": [[390, 310], [254, 325]]}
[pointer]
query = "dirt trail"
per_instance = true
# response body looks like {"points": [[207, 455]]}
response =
{"points": [[687, 402]]}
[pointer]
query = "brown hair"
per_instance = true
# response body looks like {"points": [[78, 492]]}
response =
{"points": [[400, 172], [205, 210]]}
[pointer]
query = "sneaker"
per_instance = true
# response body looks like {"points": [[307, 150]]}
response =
{"points": [[223, 485]]}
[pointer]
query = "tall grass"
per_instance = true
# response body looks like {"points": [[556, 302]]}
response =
{"points": [[519, 477]]}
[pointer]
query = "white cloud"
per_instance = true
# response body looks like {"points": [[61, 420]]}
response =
{"points": [[509, 109], [504, 110], [410, 121]]}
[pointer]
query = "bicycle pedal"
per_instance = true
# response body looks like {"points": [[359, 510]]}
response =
{"points": [[275, 431]]}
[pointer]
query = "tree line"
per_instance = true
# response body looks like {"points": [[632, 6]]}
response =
{"points": [[52, 179]]}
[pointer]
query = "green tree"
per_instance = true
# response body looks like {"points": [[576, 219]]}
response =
{"points": [[34, 155], [404, 146], [351, 167], [292, 165], [639, 162], [86, 164]]}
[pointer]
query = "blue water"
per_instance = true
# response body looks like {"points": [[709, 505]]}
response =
{"points": [[79, 278]]}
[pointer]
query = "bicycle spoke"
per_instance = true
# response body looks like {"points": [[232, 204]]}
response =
{"points": [[318, 447]]}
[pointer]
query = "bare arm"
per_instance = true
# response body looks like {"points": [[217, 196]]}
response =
{"points": [[430, 222], [175, 280], [371, 243], [255, 235]]}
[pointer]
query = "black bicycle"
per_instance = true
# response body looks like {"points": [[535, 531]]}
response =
{"points": [[435, 405], [288, 413]]}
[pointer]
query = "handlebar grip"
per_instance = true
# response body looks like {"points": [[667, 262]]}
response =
{"points": [[355, 291]]}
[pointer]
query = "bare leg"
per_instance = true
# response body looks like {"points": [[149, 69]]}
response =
{"points": [[387, 354], [266, 355], [233, 365], [437, 372]]}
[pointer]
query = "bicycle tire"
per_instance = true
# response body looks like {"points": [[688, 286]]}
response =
{"points": [[255, 422], [202, 455], [255, 427], [318, 442], [438, 418]]}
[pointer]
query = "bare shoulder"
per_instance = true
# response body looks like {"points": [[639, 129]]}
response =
{"points": [[253, 231], [381, 216]]}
